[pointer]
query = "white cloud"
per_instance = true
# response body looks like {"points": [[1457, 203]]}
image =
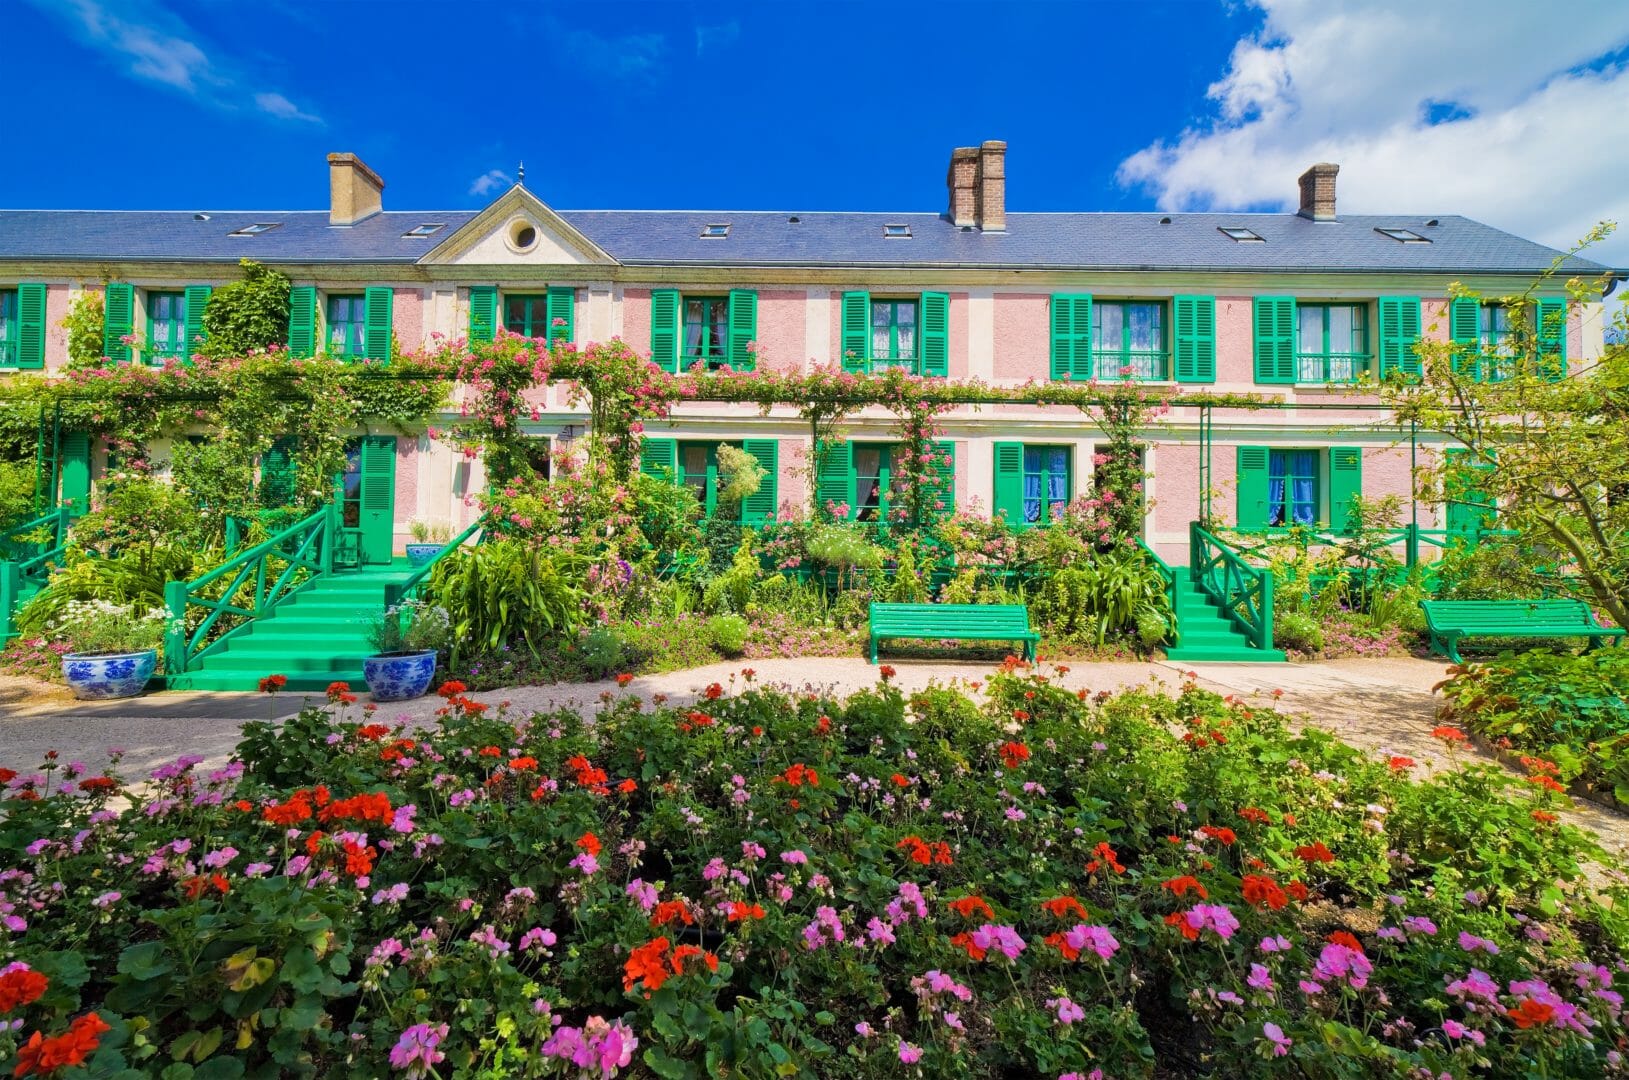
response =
{"points": [[716, 37], [1528, 100], [490, 181], [153, 44], [281, 107]]}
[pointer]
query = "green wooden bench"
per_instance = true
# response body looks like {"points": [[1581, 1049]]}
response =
{"points": [[1449, 621], [955, 622]]}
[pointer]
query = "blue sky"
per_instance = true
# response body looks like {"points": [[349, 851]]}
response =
{"points": [[1181, 104]]}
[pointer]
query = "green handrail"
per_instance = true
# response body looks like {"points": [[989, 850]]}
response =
{"points": [[17, 574], [397, 591], [306, 545], [1168, 576], [1245, 592]]}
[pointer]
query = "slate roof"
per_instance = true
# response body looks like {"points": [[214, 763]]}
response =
{"points": [[1087, 241]]}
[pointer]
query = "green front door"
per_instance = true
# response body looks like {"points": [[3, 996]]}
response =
{"points": [[368, 494]]}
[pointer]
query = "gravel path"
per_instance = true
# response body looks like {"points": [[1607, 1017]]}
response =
{"points": [[1384, 705]]}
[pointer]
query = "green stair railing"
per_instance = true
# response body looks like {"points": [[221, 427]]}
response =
{"points": [[246, 587], [1168, 576], [397, 591], [1244, 592], [32, 550]]}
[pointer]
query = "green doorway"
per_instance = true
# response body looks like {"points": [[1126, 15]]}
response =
{"points": [[368, 497]]}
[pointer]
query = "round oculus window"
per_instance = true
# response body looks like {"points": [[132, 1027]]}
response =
{"points": [[522, 235]]}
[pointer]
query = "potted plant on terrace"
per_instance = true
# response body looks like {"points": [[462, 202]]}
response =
{"points": [[428, 538], [113, 648], [406, 640]]}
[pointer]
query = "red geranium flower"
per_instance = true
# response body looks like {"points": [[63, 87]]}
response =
{"points": [[590, 843], [1181, 886], [1400, 763], [41, 1055], [1263, 891], [1530, 1013], [1315, 852], [1343, 937], [645, 964], [273, 683], [1256, 816], [1220, 834], [624, 679], [1179, 919], [98, 783], [964, 940], [1062, 907], [1014, 754], [21, 987], [1449, 735], [1104, 855], [713, 692], [965, 907], [887, 672], [670, 911], [739, 911]]}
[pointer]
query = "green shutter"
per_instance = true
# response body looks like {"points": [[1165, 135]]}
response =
{"points": [[197, 299], [943, 488], [1399, 335], [376, 330], [73, 490], [759, 507], [1072, 336], [1464, 326], [278, 473], [562, 313], [302, 321], [664, 329], [935, 329], [378, 498], [118, 320], [743, 329], [659, 458], [1275, 339], [1195, 339], [1252, 487], [856, 335], [1009, 482], [834, 475], [483, 312], [1345, 483], [31, 326], [1550, 337]]}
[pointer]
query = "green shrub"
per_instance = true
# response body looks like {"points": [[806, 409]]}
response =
{"points": [[1298, 631], [731, 591], [508, 592], [728, 633], [604, 652], [1116, 594], [246, 315], [1570, 709], [907, 586]]}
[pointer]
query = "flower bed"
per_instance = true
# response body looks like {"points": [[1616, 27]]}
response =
{"points": [[1571, 710], [1046, 884]]}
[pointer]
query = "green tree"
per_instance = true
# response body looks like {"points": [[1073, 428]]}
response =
{"points": [[1550, 453], [84, 325], [247, 315]]}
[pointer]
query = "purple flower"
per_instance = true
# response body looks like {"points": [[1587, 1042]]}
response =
{"points": [[1341, 962], [1214, 917], [1275, 1035], [1003, 939], [1098, 938], [1471, 943], [909, 1054], [1260, 978], [416, 1050]]}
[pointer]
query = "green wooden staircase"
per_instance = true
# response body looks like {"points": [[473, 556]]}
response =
{"points": [[315, 636], [1206, 634]]}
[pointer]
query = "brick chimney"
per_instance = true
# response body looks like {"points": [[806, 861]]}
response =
{"points": [[355, 192], [978, 186], [1318, 192], [992, 202], [963, 182]]}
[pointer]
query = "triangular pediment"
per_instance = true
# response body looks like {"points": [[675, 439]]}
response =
{"points": [[518, 229]]}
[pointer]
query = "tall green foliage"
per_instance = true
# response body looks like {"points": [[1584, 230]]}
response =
{"points": [[247, 315], [506, 592], [84, 325]]}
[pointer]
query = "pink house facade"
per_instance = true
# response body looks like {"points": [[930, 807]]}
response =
{"points": [[1303, 310]]}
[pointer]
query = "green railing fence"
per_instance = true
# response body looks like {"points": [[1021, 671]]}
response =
{"points": [[1168, 576], [408, 587], [1245, 592], [269, 573], [30, 551]]}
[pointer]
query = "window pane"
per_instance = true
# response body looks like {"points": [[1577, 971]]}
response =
{"points": [[906, 314], [1145, 326], [1311, 338], [907, 332], [882, 316], [1110, 320], [1340, 329], [719, 323]]}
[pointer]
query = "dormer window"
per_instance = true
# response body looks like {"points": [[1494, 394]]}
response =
{"points": [[424, 230], [256, 229], [896, 232], [715, 232], [1404, 236], [1241, 234]]}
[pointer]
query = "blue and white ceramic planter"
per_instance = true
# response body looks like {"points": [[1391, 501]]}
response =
{"points": [[399, 676], [419, 554], [118, 675]]}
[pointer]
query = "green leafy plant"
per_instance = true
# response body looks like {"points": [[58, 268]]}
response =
{"points": [[1119, 593], [728, 633], [84, 325], [412, 626], [100, 627], [507, 592], [430, 532], [246, 315]]}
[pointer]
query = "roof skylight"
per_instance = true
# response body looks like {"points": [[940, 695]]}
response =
{"points": [[715, 232], [1242, 235], [1406, 236], [425, 230], [896, 232], [256, 229]]}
